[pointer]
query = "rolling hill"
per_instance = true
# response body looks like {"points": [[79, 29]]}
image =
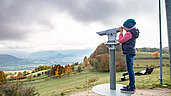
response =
{"points": [[49, 57], [9, 63]]}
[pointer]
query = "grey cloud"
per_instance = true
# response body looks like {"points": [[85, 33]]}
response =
{"points": [[7, 33], [27, 12], [15, 14], [103, 10]]}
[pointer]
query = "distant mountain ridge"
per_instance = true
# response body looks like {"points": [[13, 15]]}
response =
{"points": [[52, 54], [6, 59], [49, 57], [9, 60], [9, 57]]}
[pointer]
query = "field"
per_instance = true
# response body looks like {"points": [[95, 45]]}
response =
{"points": [[86, 79], [77, 82], [52, 86]]}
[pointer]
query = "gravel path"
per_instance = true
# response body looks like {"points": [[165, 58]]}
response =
{"points": [[139, 92]]}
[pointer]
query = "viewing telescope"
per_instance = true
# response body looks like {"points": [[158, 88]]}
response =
{"points": [[111, 33]]}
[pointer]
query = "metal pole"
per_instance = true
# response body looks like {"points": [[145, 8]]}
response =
{"points": [[112, 69], [168, 14], [161, 79]]}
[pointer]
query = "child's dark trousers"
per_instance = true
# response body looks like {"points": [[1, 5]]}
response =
{"points": [[129, 63]]}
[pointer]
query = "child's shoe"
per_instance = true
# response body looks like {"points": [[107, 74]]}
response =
{"points": [[128, 86], [129, 90]]}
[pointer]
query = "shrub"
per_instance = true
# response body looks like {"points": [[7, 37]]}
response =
{"points": [[29, 77], [13, 77], [20, 76], [3, 77], [33, 71], [137, 64], [79, 69], [73, 68], [155, 55], [28, 72], [25, 73], [92, 80], [47, 72], [95, 65], [17, 89], [38, 74]]}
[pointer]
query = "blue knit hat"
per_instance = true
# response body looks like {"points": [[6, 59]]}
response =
{"points": [[129, 23]]}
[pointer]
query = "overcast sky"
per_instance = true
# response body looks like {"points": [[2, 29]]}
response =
{"points": [[34, 25]]}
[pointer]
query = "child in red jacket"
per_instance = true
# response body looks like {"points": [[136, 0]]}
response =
{"points": [[128, 47]]}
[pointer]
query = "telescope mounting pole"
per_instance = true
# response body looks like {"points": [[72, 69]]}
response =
{"points": [[112, 47], [112, 69]]}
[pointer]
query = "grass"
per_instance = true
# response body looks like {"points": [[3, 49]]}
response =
{"points": [[150, 62], [148, 54], [72, 82], [79, 82], [151, 80]]}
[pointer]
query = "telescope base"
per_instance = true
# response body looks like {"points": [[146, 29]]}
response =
{"points": [[104, 89]]}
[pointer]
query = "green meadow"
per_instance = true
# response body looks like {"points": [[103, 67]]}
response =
{"points": [[85, 80]]}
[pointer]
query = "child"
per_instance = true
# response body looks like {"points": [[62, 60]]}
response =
{"points": [[128, 47]]}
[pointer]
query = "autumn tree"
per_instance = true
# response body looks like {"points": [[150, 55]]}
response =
{"points": [[101, 49], [101, 54], [155, 55], [79, 69], [20, 75], [85, 62], [47, 67], [95, 65], [25, 72], [76, 63], [103, 60], [68, 69], [3, 77], [28, 72], [57, 70], [120, 61], [33, 71], [73, 68], [13, 77]]}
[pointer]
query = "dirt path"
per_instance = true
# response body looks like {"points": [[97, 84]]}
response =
{"points": [[139, 92]]}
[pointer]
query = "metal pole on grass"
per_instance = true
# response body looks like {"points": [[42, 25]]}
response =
{"points": [[168, 14], [161, 79], [112, 69]]}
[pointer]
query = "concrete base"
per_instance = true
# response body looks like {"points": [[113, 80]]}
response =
{"points": [[104, 89]]}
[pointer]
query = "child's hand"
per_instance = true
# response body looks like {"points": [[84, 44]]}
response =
{"points": [[120, 30]]}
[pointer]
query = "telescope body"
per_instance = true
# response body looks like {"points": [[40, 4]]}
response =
{"points": [[111, 33]]}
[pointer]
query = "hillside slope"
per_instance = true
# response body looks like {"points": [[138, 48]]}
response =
{"points": [[100, 58], [7, 60]]}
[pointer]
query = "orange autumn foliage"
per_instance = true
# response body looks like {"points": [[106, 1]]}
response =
{"points": [[101, 54], [155, 55], [103, 60], [3, 77]]}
